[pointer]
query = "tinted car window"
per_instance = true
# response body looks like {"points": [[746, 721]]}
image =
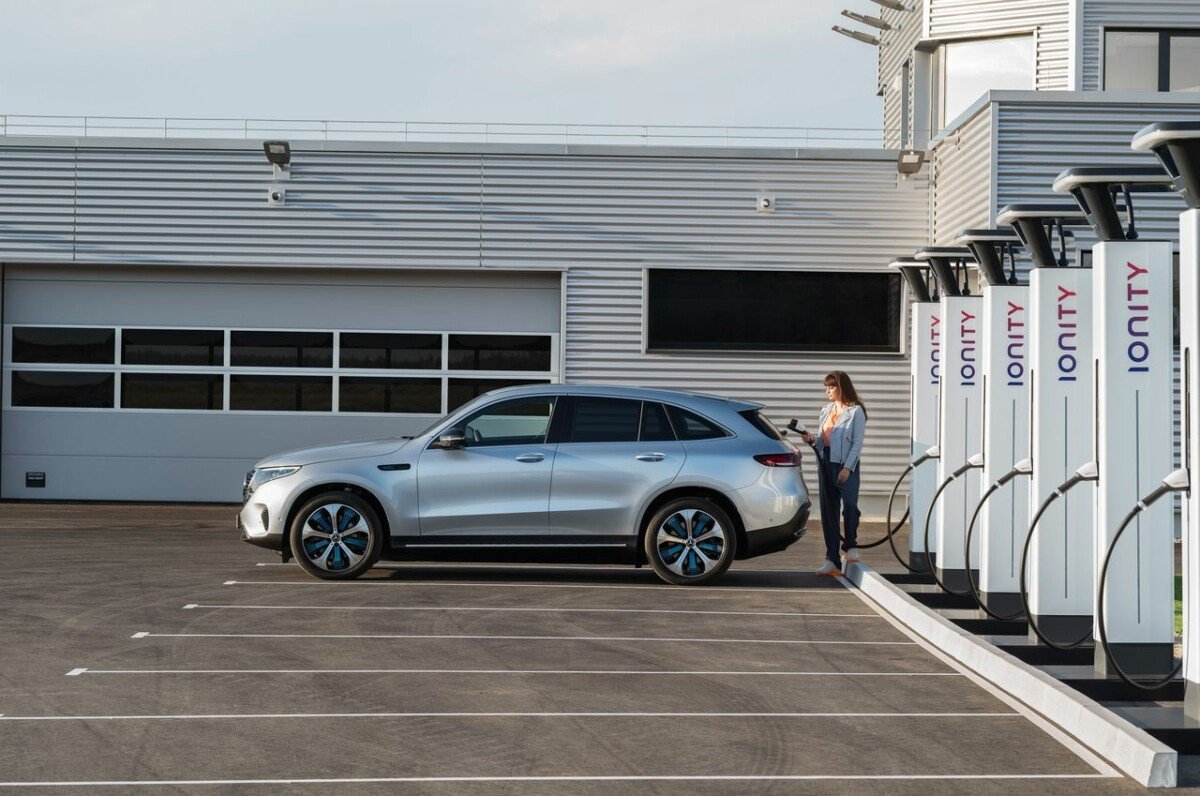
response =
{"points": [[690, 426], [755, 418], [520, 422], [605, 420], [655, 426]]}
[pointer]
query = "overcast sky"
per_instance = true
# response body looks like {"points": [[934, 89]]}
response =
{"points": [[727, 62]]}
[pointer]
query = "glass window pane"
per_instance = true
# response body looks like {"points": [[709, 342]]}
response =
{"points": [[1185, 63], [724, 310], [397, 351], [1131, 60], [281, 349], [62, 388], [655, 426], [459, 391], [172, 347], [689, 426], [171, 390], [281, 393], [520, 422], [605, 420], [973, 68], [63, 344], [499, 352], [374, 394]]}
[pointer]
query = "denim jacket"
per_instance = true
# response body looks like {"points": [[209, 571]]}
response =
{"points": [[845, 438]]}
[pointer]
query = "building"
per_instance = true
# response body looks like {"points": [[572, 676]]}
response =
{"points": [[175, 307]]}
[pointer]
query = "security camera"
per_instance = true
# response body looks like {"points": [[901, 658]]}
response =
{"points": [[276, 196]]}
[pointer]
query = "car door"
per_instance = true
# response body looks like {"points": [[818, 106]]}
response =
{"points": [[498, 483], [612, 455]]}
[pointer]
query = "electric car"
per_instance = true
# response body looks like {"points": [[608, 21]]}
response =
{"points": [[684, 482]]}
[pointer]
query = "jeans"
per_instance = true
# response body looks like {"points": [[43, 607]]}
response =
{"points": [[833, 498]]}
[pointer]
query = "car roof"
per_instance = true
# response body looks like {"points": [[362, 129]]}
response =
{"points": [[693, 399]]}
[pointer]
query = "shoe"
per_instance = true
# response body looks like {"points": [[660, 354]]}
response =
{"points": [[828, 568], [851, 557]]}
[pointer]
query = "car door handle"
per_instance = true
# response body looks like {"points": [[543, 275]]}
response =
{"points": [[530, 457], [650, 457]]}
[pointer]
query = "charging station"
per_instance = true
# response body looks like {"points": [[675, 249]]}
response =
{"points": [[925, 347], [959, 413], [1132, 332], [1004, 513], [1060, 575]]}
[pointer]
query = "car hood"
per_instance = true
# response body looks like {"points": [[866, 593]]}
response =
{"points": [[335, 452]]}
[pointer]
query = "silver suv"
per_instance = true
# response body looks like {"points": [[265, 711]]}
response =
{"points": [[570, 472]]}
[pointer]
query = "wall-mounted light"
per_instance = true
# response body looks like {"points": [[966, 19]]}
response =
{"points": [[874, 22], [910, 161], [279, 155], [857, 35]]}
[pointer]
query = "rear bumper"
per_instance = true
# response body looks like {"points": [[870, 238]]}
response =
{"points": [[779, 537]]}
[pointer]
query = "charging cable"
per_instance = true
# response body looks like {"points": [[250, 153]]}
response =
{"points": [[1023, 467], [974, 463]]}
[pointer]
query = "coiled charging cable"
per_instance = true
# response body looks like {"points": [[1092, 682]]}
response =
{"points": [[1177, 481], [929, 455], [1023, 467], [974, 463]]}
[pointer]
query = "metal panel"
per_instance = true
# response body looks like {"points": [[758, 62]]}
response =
{"points": [[896, 45], [1050, 19], [963, 160], [1098, 14]]}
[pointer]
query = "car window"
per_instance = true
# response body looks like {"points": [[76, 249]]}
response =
{"points": [[604, 420], [518, 422], [756, 419], [655, 426], [690, 426]]}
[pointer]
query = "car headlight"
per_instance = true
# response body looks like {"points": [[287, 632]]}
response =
{"points": [[262, 475]]}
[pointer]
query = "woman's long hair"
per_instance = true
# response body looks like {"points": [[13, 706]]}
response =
{"points": [[841, 380]]}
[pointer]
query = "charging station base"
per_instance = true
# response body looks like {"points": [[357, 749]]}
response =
{"points": [[918, 560], [956, 579], [1005, 603], [1063, 629], [1148, 660], [1191, 699]]}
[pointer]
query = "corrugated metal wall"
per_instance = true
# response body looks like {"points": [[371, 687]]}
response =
{"points": [[963, 162], [896, 45], [1098, 14], [604, 215], [980, 18], [893, 106]]}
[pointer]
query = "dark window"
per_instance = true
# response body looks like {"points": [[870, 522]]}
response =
{"points": [[1149, 59], [396, 351], [173, 347], [459, 391], [499, 352], [376, 394], [755, 418], [171, 391], [281, 393], [62, 388], [63, 345], [281, 349], [523, 421], [689, 426], [655, 426], [711, 310], [604, 420]]}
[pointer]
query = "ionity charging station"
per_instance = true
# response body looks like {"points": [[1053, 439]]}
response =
{"points": [[1058, 582], [1132, 334], [1000, 521], [925, 349], [959, 416]]}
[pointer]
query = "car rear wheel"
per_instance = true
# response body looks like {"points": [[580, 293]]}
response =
{"points": [[690, 541], [336, 536]]}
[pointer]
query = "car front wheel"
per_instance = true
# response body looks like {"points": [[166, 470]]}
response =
{"points": [[336, 536], [690, 541]]}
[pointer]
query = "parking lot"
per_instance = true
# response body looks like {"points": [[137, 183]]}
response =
{"points": [[147, 645]]}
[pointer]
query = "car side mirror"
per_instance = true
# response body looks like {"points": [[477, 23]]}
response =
{"points": [[451, 439]]}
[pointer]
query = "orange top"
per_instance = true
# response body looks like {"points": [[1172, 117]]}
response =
{"points": [[830, 422]]}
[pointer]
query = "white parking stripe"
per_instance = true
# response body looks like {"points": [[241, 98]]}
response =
{"points": [[160, 783], [643, 672], [483, 565], [715, 591], [513, 715], [147, 634], [490, 608]]}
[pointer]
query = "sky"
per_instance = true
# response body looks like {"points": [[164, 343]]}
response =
{"points": [[688, 62]]}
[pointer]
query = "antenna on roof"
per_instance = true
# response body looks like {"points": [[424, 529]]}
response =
{"points": [[895, 5], [874, 22], [865, 38]]}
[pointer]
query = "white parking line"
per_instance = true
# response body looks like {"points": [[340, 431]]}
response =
{"points": [[148, 634], [702, 590], [514, 715], [161, 783], [419, 565], [490, 608], [631, 672]]}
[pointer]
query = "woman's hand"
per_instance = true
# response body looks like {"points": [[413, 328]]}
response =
{"points": [[807, 437], [843, 476]]}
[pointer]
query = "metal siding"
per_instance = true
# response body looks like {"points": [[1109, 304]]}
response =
{"points": [[892, 116], [896, 45], [1098, 14], [982, 18], [963, 161]]}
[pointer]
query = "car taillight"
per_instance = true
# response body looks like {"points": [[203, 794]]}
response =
{"points": [[778, 459]]}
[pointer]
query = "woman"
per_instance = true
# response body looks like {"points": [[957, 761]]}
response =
{"points": [[839, 447]]}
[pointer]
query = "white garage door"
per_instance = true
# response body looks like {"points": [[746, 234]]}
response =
{"points": [[168, 384]]}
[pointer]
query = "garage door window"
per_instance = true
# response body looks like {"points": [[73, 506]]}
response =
{"points": [[57, 388], [499, 352], [392, 351], [205, 347], [68, 345], [172, 391], [281, 349], [404, 396], [281, 393]]}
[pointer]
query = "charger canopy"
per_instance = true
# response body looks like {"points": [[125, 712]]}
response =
{"points": [[990, 247], [1096, 189], [916, 276], [1177, 145], [942, 261], [1035, 224]]}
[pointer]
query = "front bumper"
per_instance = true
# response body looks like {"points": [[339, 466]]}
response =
{"points": [[762, 541], [269, 541]]}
